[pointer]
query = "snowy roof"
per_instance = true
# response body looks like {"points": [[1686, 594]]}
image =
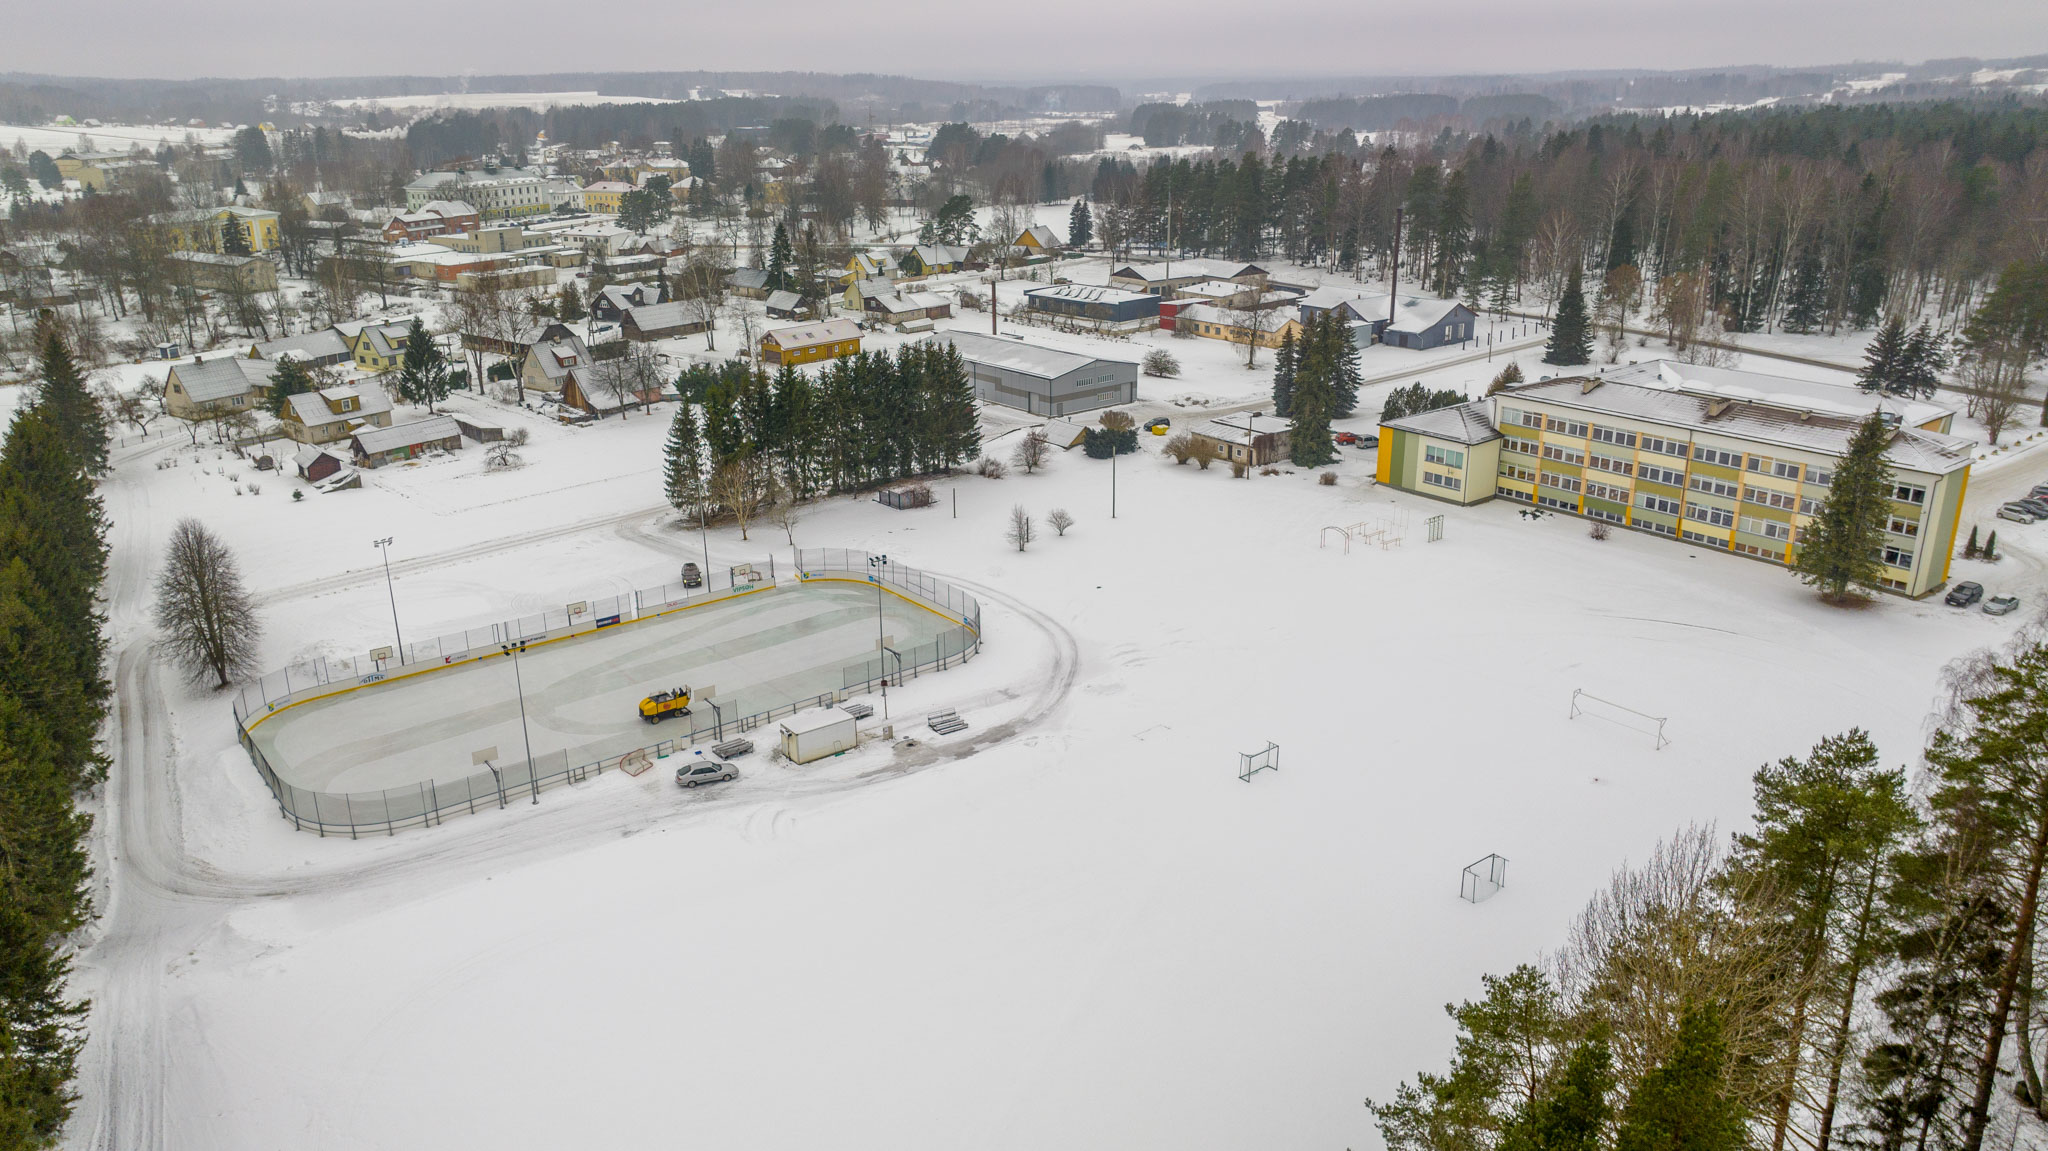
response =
{"points": [[623, 296], [432, 429], [674, 314], [305, 456], [1266, 320], [323, 344], [1330, 297], [806, 722], [1460, 423], [1779, 391], [940, 254], [1088, 293], [310, 408], [1241, 429], [868, 286], [748, 278], [1213, 288], [447, 208], [222, 378], [821, 332], [1044, 236], [1064, 433], [215, 258], [1417, 313], [784, 301], [925, 300], [550, 354], [384, 338], [1185, 270], [1804, 428], [1018, 356]]}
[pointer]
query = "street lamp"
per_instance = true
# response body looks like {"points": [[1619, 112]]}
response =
{"points": [[384, 545], [519, 682], [877, 563], [703, 537]]}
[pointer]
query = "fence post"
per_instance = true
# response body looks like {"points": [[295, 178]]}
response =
{"points": [[349, 805]]}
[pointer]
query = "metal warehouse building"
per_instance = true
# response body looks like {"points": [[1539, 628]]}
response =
{"points": [[1042, 381]]}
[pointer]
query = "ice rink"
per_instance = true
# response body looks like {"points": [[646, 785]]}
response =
{"points": [[758, 651]]}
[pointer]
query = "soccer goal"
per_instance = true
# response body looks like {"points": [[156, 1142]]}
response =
{"points": [[1483, 879], [1586, 704], [636, 762], [1250, 763]]}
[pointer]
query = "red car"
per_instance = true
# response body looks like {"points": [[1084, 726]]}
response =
{"points": [[1347, 437]]}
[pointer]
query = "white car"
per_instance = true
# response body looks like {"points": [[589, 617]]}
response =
{"points": [[2018, 514], [706, 772]]}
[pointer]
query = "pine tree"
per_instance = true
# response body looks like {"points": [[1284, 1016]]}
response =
{"points": [[1884, 359], [780, 257], [1839, 550], [1683, 1104], [1806, 297], [1571, 336], [1080, 225], [423, 376], [234, 241], [1573, 1114], [1283, 376], [682, 470], [569, 304]]}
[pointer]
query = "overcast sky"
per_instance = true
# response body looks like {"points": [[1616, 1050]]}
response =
{"points": [[1116, 43]]}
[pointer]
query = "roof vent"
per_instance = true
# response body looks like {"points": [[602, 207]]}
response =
{"points": [[1719, 408], [1589, 383]]}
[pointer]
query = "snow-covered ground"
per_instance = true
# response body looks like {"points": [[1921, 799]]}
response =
{"points": [[537, 101], [54, 138], [1071, 925]]}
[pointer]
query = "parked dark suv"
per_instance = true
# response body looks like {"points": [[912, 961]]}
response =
{"points": [[1964, 594], [692, 577]]}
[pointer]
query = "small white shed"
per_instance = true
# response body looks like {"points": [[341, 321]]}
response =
{"points": [[810, 735]]}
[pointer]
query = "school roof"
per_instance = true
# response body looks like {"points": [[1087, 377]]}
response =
{"points": [[1783, 391], [1806, 427], [1241, 429], [1018, 356], [433, 429], [820, 332], [222, 378], [1460, 423], [1215, 288]]}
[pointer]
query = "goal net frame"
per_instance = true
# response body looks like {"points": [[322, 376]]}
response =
{"points": [[1483, 879], [1656, 722], [1250, 763]]}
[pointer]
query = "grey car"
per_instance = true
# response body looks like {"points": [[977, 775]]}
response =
{"points": [[2001, 604], [2018, 514], [707, 772], [2038, 506], [1965, 593]]}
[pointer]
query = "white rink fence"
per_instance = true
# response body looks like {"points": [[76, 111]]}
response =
{"points": [[429, 801]]}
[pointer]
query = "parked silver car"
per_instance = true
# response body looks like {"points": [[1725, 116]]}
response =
{"points": [[705, 772], [2001, 604], [2018, 514]]}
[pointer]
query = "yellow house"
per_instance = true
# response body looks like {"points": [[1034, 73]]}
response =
{"points": [[332, 414], [203, 228], [809, 343], [1267, 328], [376, 347], [605, 195]]}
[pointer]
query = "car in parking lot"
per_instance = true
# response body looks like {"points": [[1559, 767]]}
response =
{"points": [[692, 577], [708, 772], [1347, 437], [1157, 425], [1368, 441], [1965, 593], [2001, 604], [2038, 491], [2018, 513]]}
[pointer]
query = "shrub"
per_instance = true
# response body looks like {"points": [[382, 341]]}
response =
{"points": [[1182, 448], [1060, 520], [1160, 362], [1203, 460], [1327, 479], [1117, 421], [991, 468], [297, 495], [1237, 469], [1599, 530]]}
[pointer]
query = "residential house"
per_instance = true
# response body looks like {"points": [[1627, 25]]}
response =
{"points": [[608, 305], [201, 229], [204, 388], [1253, 440], [377, 348], [906, 307], [932, 259], [321, 204], [809, 343], [1421, 322], [1040, 380], [1037, 241], [870, 265], [787, 306], [435, 218], [334, 414], [98, 171], [665, 321], [1727, 460], [859, 292], [1113, 309], [551, 364], [321, 349], [213, 272], [375, 447], [315, 463], [517, 342], [749, 282]]}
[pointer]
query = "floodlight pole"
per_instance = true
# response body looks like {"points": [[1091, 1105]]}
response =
{"points": [[519, 682], [877, 563], [1112, 480], [384, 545]]}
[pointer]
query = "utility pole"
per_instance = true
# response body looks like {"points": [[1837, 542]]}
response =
{"points": [[532, 769], [877, 563], [1394, 285]]}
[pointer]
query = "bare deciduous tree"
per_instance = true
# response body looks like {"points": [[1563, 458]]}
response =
{"points": [[1060, 520], [207, 617], [1031, 451], [1020, 532], [503, 454], [736, 486]]}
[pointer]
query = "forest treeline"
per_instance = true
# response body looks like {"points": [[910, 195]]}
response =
{"points": [[1858, 970], [53, 697]]}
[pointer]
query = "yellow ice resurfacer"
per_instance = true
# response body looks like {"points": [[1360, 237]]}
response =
{"points": [[662, 704]]}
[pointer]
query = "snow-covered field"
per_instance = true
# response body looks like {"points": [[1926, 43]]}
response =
{"points": [[537, 101], [105, 137], [1071, 925]]}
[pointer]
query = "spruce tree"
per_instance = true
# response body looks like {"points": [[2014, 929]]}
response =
{"points": [[71, 408], [1970, 548], [52, 519], [1346, 378], [1838, 551], [1921, 363], [291, 377], [1309, 407], [1283, 376], [1683, 1104], [1571, 335], [1991, 545], [423, 375], [234, 240], [780, 257], [1806, 297], [1885, 358], [949, 398], [682, 469], [569, 304], [1573, 1114], [1080, 225]]}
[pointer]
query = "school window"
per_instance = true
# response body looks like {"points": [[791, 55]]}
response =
{"points": [[1604, 514], [1821, 476], [1527, 446], [1562, 505], [1657, 475], [1662, 446], [1601, 491], [1563, 455], [1909, 493], [1706, 515], [1441, 480], [1614, 436], [1785, 470], [1567, 427], [1528, 419], [1769, 529], [1702, 538], [1517, 472], [1719, 456], [1714, 487], [1900, 526], [1514, 493], [1610, 464], [1809, 506], [1434, 454], [1769, 498], [1896, 556], [1560, 482], [1766, 553], [1759, 463]]}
